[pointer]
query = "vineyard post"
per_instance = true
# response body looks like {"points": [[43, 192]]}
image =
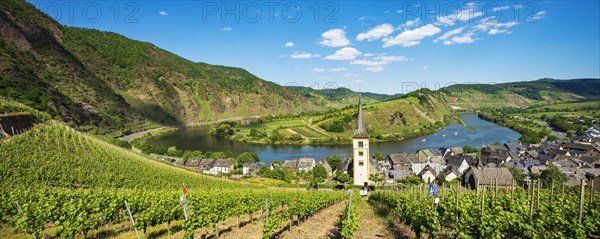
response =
{"points": [[537, 204], [482, 200], [131, 220], [349, 204], [495, 190], [443, 186], [591, 192], [266, 211], [581, 199], [457, 192], [512, 190], [532, 197], [551, 192]]}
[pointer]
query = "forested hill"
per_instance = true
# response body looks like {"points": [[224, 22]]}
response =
{"points": [[340, 95], [104, 80], [521, 93]]}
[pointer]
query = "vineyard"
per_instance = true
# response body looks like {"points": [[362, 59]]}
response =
{"points": [[58, 182], [494, 213]]}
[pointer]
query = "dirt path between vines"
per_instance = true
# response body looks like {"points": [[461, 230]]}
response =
{"points": [[321, 225], [373, 222]]}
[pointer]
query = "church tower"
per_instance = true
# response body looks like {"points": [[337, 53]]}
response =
{"points": [[360, 142]]}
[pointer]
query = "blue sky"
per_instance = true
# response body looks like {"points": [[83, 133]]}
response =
{"points": [[378, 46]]}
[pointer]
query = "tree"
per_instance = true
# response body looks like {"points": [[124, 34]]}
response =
{"points": [[341, 177], [217, 155], [517, 175], [468, 149], [411, 180], [378, 156], [319, 173], [334, 161], [246, 157], [552, 174], [375, 177]]}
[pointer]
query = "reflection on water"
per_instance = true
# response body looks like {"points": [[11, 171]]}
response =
{"points": [[475, 133]]}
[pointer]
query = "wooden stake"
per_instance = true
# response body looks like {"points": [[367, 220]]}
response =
{"points": [[482, 200], [537, 205], [131, 220], [532, 197], [591, 193], [581, 199]]}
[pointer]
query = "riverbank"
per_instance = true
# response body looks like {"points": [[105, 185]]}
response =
{"points": [[474, 133]]}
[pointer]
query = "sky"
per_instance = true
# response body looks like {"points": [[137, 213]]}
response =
{"points": [[377, 46]]}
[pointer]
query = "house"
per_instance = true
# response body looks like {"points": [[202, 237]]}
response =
{"points": [[192, 162], [327, 167], [395, 175], [593, 152], [450, 173], [290, 164], [205, 164], [401, 161], [425, 154], [575, 148], [221, 166], [475, 177], [428, 174], [452, 151], [306, 164], [458, 163]]}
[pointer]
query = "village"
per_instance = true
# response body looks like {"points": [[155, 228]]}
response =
{"points": [[577, 158]]}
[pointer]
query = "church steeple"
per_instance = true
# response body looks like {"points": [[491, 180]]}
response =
{"points": [[361, 129]]}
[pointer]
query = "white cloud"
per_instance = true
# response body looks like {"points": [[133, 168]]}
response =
{"points": [[387, 58], [374, 68], [303, 55], [334, 38], [364, 62], [346, 53], [163, 13], [368, 54], [498, 31], [289, 44], [318, 70], [350, 75], [337, 69], [449, 34], [377, 63], [358, 81], [412, 23], [362, 18], [375, 33], [538, 16], [226, 29], [462, 39], [412, 37], [423, 67]]}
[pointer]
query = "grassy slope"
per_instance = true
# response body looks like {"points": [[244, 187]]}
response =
{"points": [[103, 79], [419, 119], [58, 156]]}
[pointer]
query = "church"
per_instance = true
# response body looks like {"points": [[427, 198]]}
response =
{"points": [[360, 154]]}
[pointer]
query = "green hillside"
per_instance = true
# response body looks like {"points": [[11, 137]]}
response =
{"points": [[55, 155], [411, 115], [102, 79], [340, 96]]}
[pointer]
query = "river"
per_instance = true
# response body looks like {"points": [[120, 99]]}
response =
{"points": [[475, 133]]}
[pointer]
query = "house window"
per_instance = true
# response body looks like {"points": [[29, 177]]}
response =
{"points": [[360, 144], [361, 163], [361, 153]]}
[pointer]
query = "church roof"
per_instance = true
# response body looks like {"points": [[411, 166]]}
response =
{"points": [[361, 130]]}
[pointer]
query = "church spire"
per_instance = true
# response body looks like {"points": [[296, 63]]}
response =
{"points": [[361, 130]]}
